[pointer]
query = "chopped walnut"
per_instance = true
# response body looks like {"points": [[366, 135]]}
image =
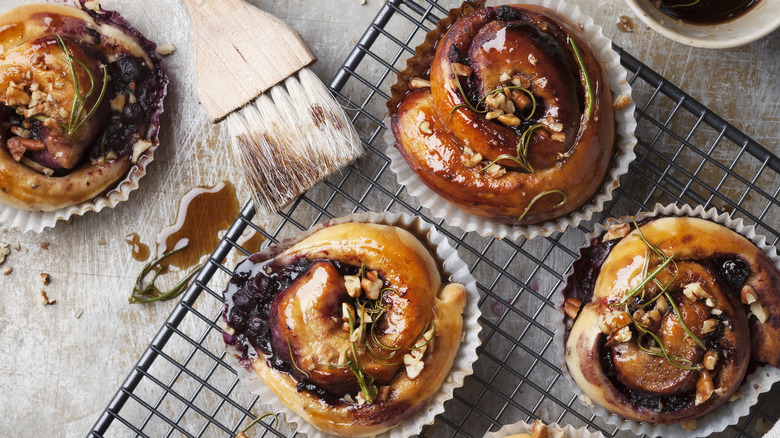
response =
{"points": [[17, 146], [461, 69], [541, 83], [139, 148], [494, 114], [748, 295], [383, 394], [509, 120], [710, 360], [520, 99], [532, 59], [662, 305], [118, 103], [603, 327], [166, 49], [622, 335], [495, 171], [616, 231], [45, 300], [521, 81], [572, 307], [36, 166], [621, 102], [759, 311], [352, 283], [654, 314], [425, 127], [372, 285], [417, 83], [505, 77], [559, 137], [709, 325], [618, 320], [496, 101], [45, 278], [704, 388], [5, 249], [470, 159]]}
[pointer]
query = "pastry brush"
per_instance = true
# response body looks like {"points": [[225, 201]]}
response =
{"points": [[284, 125]]}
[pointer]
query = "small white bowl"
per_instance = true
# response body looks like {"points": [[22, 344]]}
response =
{"points": [[760, 21]]}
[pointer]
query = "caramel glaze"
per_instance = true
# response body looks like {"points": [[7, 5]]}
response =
{"points": [[527, 40], [642, 387]]}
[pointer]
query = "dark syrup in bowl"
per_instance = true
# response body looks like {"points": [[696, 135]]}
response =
{"points": [[705, 11]]}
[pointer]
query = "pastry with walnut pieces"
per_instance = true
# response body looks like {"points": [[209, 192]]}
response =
{"points": [[506, 113], [81, 94], [665, 316], [352, 326]]}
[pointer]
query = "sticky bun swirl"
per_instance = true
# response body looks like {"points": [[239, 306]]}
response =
{"points": [[351, 327], [511, 118], [664, 321], [80, 99]]}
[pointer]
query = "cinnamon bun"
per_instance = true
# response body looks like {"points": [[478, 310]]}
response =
{"points": [[511, 118], [666, 316], [351, 326], [81, 94]]}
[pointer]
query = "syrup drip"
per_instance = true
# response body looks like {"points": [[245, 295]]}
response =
{"points": [[203, 212], [140, 250]]}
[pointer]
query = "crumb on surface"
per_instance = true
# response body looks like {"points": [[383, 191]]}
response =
{"points": [[45, 278], [101, 241], [44, 244], [45, 300], [79, 313], [7, 270]]}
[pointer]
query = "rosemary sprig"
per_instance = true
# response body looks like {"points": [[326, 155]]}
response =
{"points": [[672, 359], [150, 293], [522, 151], [682, 323], [242, 434], [292, 359], [647, 279], [475, 108], [540, 196], [591, 102], [77, 117]]}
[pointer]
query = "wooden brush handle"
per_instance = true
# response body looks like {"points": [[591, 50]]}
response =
{"points": [[240, 52]]}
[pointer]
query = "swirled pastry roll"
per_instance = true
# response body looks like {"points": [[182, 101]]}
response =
{"points": [[663, 321], [351, 327], [511, 118], [80, 99]]}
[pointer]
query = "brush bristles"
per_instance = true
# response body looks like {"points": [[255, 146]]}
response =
{"points": [[291, 138]]}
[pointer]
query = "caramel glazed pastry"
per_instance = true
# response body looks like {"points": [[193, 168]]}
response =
{"points": [[511, 119], [80, 100], [351, 327], [663, 322]]}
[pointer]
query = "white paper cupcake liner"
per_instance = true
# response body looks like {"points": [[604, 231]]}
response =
{"points": [[454, 270], [37, 221], [523, 427], [756, 383], [625, 124]]}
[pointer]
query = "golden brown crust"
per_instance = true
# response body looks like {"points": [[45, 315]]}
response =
{"points": [[435, 134], [306, 318], [615, 373]]}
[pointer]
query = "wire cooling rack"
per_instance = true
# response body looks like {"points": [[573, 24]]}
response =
{"points": [[686, 154]]}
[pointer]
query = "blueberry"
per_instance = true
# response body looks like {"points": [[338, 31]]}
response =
{"points": [[735, 272], [240, 300], [129, 68], [238, 318]]}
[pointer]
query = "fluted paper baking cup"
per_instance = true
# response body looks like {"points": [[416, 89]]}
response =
{"points": [[625, 124], [523, 427], [756, 383], [37, 221], [453, 269]]}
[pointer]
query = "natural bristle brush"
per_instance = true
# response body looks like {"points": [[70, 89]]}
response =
{"points": [[288, 138]]}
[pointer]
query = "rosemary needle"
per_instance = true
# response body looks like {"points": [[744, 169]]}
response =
{"points": [[150, 293]]}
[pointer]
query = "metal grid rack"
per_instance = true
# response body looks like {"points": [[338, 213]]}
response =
{"points": [[687, 154]]}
